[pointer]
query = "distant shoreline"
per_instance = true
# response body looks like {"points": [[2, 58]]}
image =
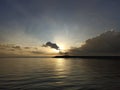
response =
{"points": [[89, 57]]}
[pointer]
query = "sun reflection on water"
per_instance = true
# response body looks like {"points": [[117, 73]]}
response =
{"points": [[61, 69], [60, 62]]}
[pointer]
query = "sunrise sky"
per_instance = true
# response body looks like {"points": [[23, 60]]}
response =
{"points": [[75, 26]]}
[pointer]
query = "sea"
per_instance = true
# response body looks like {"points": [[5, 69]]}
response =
{"points": [[59, 74]]}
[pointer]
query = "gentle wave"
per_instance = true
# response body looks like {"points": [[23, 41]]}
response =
{"points": [[57, 74]]}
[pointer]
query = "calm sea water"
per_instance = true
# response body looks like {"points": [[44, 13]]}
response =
{"points": [[59, 74]]}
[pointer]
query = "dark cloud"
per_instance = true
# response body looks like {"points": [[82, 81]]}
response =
{"points": [[16, 47], [9, 46], [52, 45], [26, 47], [107, 43]]}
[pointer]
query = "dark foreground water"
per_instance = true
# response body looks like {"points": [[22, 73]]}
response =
{"points": [[59, 74]]}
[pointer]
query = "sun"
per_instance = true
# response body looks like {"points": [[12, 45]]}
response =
{"points": [[61, 48], [55, 51]]}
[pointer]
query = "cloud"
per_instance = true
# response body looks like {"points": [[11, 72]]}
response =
{"points": [[16, 47], [26, 47], [107, 43], [52, 45], [37, 52], [7, 50]]}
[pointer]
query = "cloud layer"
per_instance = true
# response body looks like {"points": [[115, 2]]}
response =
{"points": [[7, 50], [107, 43]]}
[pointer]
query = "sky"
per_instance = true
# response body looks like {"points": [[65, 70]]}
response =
{"points": [[30, 24]]}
